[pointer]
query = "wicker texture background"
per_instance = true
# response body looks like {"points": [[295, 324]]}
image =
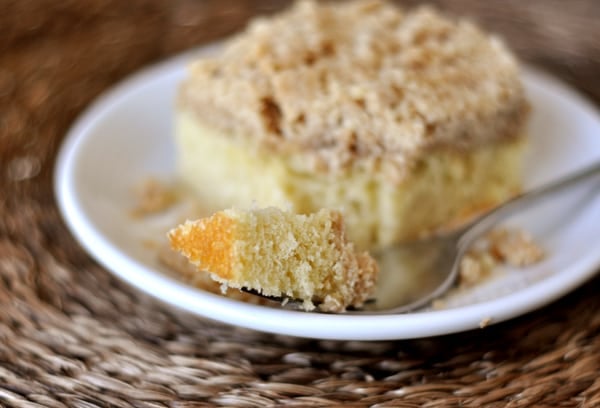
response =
{"points": [[73, 335]]}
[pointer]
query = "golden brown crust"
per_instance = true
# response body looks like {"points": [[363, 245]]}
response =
{"points": [[359, 83], [208, 243], [181, 268]]}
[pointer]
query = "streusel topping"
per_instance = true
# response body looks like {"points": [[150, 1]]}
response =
{"points": [[359, 83]]}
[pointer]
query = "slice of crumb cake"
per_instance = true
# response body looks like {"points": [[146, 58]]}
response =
{"points": [[405, 121], [279, 253]]}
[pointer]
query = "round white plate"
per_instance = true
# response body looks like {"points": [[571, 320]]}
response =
{"points": [[126, 136]]}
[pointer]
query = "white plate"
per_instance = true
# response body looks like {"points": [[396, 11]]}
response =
{"points": [[125, 136]]}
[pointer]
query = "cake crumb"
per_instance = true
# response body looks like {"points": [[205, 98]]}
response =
{"points": [[475, 267], [152, 197], [485, 322], [150, 244], [515, 247], [438, 304], [509, 246]]}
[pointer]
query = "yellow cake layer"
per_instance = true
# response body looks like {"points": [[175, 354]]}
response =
{"points": [[442, 188]]}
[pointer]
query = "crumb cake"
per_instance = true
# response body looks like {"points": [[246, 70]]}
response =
{"points": [[279, 253], [406, 121]]}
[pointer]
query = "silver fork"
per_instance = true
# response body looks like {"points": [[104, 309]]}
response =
{"points": [[439, 252]]}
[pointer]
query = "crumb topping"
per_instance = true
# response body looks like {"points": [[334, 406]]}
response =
{"points": [[359, 83]]}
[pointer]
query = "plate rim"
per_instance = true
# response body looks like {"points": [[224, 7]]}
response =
{"points": [[275, 320]]}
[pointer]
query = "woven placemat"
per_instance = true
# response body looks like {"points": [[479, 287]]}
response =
{"points": [[71, 334]]}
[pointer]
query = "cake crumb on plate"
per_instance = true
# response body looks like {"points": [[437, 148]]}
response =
{"points": [[485, 322]]}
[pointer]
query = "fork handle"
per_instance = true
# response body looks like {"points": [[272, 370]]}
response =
{"points": [[484, 223]]}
